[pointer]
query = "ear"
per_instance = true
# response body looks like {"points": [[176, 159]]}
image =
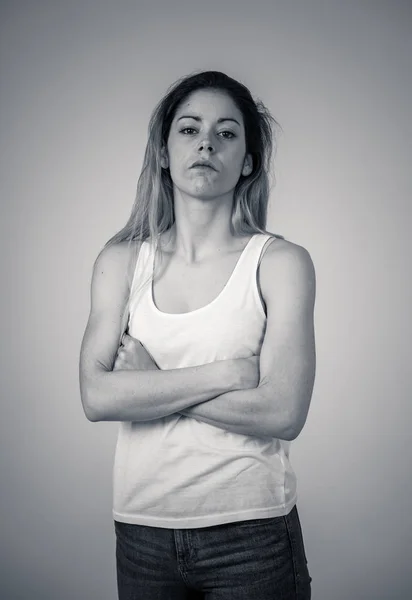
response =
{"points": [[247, 165], [164, 160]]}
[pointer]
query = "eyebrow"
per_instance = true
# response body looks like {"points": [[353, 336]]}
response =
{"points": [[196, 118]]}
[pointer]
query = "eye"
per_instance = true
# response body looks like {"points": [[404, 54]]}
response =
{"points": [[185, 130], [227, 134]]}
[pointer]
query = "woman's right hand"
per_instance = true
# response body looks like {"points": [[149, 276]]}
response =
{"points": [[247, 372], [133, 356]]}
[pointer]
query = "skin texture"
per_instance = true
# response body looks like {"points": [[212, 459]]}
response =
{"points": [[198, 118]]}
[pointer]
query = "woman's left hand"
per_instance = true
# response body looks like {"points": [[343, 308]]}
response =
{"points": [[132, 355]]}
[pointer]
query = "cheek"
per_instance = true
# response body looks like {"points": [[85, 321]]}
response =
{"points": [[177, 157], [175, 167], [237, 165]]}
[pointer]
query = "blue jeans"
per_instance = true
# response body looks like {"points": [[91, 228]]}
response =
{"points": [[261, 559]]}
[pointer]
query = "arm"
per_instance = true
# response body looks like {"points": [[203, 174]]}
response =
{"points": [[139, 395], [278, 407]]}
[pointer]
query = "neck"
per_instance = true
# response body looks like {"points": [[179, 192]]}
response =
{"points": [[201, 228]]}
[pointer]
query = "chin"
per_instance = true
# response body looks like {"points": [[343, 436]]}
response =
{"points": [[202, 191]]}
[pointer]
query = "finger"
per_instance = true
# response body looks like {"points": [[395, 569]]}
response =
{"points": [[128, 339], [117, 363]]}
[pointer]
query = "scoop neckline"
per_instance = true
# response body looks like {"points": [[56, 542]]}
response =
{"points": [[206, 306]]}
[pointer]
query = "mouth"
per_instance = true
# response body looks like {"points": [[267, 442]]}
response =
{"points": [[203, 165]]}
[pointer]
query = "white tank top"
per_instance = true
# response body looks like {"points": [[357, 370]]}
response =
{"points": [[177, 472]]}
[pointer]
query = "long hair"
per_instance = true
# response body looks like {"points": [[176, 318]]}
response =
{"points": [[153, 209]]}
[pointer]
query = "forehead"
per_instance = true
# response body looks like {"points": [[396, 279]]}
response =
{"points": [[209, 104]]}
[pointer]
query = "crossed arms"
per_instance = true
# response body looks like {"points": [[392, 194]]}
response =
{"points": [[269, 396]]}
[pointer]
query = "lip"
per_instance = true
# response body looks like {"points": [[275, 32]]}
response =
{"points": [[203, 163]]}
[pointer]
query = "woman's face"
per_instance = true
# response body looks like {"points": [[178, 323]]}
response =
{"points": [[207, 127]]}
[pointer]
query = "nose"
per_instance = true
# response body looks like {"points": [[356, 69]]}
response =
{"points": [[206, 145]]}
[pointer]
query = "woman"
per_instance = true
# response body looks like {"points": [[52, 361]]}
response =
{"points": [[215, 376]]}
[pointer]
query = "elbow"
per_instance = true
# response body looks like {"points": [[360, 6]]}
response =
{"points": [[274, 428], [90, 409], [95, 412], [286, 426], [293, 427], [91, 414], [92, 404], [290, 434]]}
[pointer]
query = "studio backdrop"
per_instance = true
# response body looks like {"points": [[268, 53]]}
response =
{"points": [[78, 81]]}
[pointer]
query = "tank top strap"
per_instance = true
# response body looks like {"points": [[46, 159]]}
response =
{"points": [[255, 249], [144, 267], [251, 256], [242, 287]]}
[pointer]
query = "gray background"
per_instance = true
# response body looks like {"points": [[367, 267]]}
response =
{"points": [[78, 83]]}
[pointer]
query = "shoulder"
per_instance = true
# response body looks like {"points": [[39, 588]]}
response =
{"points": [[117, 262], [286, 266], [118, 253], [280, 252]]}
